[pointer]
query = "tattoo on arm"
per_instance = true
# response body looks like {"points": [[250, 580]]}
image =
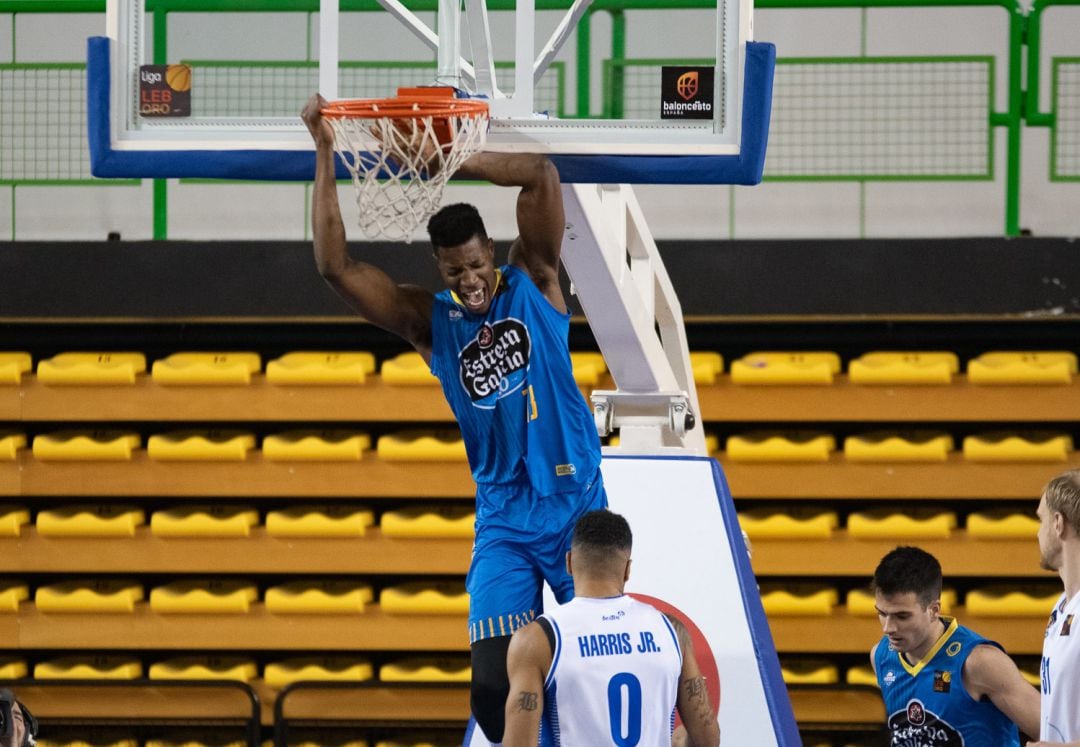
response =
{"points": [[698, 695], [527, 701]]}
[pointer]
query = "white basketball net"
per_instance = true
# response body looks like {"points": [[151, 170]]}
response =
{"points": [[415, 167]]}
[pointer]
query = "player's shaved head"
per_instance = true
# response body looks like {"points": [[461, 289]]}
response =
{"points": [[601, 544]]}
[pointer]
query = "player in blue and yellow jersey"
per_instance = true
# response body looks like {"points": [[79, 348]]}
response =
{"points": [[497, 340], [943, 684]]}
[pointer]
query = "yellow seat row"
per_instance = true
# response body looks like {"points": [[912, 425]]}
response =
{"points": [[233, 368], [889, 446], [194, 520], [230, 445], [228, 596], [816, 600], [448, 668], [905, 368], [445, 445], [809, 523]]}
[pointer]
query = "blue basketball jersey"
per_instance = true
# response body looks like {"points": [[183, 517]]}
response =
{"points": [[507, 376], [926, 704]]}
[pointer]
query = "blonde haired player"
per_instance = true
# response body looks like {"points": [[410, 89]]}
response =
{"points": [[1059, 546]]}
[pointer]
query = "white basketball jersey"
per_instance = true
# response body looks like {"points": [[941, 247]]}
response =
{"points": [[614, 675], [1060, 673]]}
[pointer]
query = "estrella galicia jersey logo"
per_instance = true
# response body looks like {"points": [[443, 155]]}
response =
{"points": [[494, 363], [917, 727]]}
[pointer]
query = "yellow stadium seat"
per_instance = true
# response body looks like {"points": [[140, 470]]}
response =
{"points": [[91, 368], [102, 595], [12, 519], [165, 743], [860, 602], [204, 668], [416, 741], [319, 598], [407, 369], [774, 446], [422, 446], [777, 367], [911, 524], [1018, 447], [884, 446], [210, 369], [12, 669], [204, 521], [798, 600], [90, 521], [1006, 601], [861, 675], [320, 368], [792, 523], [201, 446], [1002, 524], [452, 522], [706, 365], [588, 367], [425, 598], [904, 368], [308, 445], [319, 521], [12, 366], [321, 668], [424, 669], [204, 596], [809, 672], [1020, 367], [89, 668], [1031, 675], [10, 443], [86, 445], [11, 594]]}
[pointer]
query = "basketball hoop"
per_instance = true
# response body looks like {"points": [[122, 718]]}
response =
{"points": [[414, 143]]}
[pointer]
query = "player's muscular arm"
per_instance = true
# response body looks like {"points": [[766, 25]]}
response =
{"points": [[990, 672], [540, 217], [402, 309], [692, 702], [527, 662]]}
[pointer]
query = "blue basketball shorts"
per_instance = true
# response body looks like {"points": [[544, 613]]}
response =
{"points": [[521, 541]]}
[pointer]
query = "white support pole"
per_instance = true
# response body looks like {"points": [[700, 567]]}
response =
{"points": [[329, 11], [480, 38], [449, 28], [421, 31], [559, 36], [627, 296]]}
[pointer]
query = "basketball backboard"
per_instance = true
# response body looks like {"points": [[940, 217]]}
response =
{"points": [[708, 126]]}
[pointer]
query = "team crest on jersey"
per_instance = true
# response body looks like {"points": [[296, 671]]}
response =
{"points": [[494, 363], [455, 314], [917, 726], [942, 681], [890, 677], [953, 648], [1066, 625]]}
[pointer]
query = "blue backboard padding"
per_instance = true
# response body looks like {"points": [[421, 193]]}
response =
{"points": [[288, 165]]}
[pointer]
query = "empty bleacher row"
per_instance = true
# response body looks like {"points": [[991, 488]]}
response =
{"points": [[306, 516]]}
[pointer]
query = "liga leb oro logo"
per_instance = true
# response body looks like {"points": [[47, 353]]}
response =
{"points": [[686, 92]]}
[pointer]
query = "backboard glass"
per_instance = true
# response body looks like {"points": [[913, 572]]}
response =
{"points": [[510, 53]]}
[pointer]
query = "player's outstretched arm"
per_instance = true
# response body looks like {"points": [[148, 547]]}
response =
{"points": [[540, 217], [692, 702], [989, 671], [527, 662], [404, 310]]}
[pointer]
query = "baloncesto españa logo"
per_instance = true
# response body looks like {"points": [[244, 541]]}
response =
{"points": [[494, 363], [686, 92]]}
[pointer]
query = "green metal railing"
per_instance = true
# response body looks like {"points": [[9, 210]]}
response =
{"points": [[948, 157]]}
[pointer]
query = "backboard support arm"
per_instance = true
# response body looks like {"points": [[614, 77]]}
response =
{"points": [[634, 314]]}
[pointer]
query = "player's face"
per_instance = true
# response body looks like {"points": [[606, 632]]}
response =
{"points": [[469, 270], [1049, 542], [911, 627]]}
